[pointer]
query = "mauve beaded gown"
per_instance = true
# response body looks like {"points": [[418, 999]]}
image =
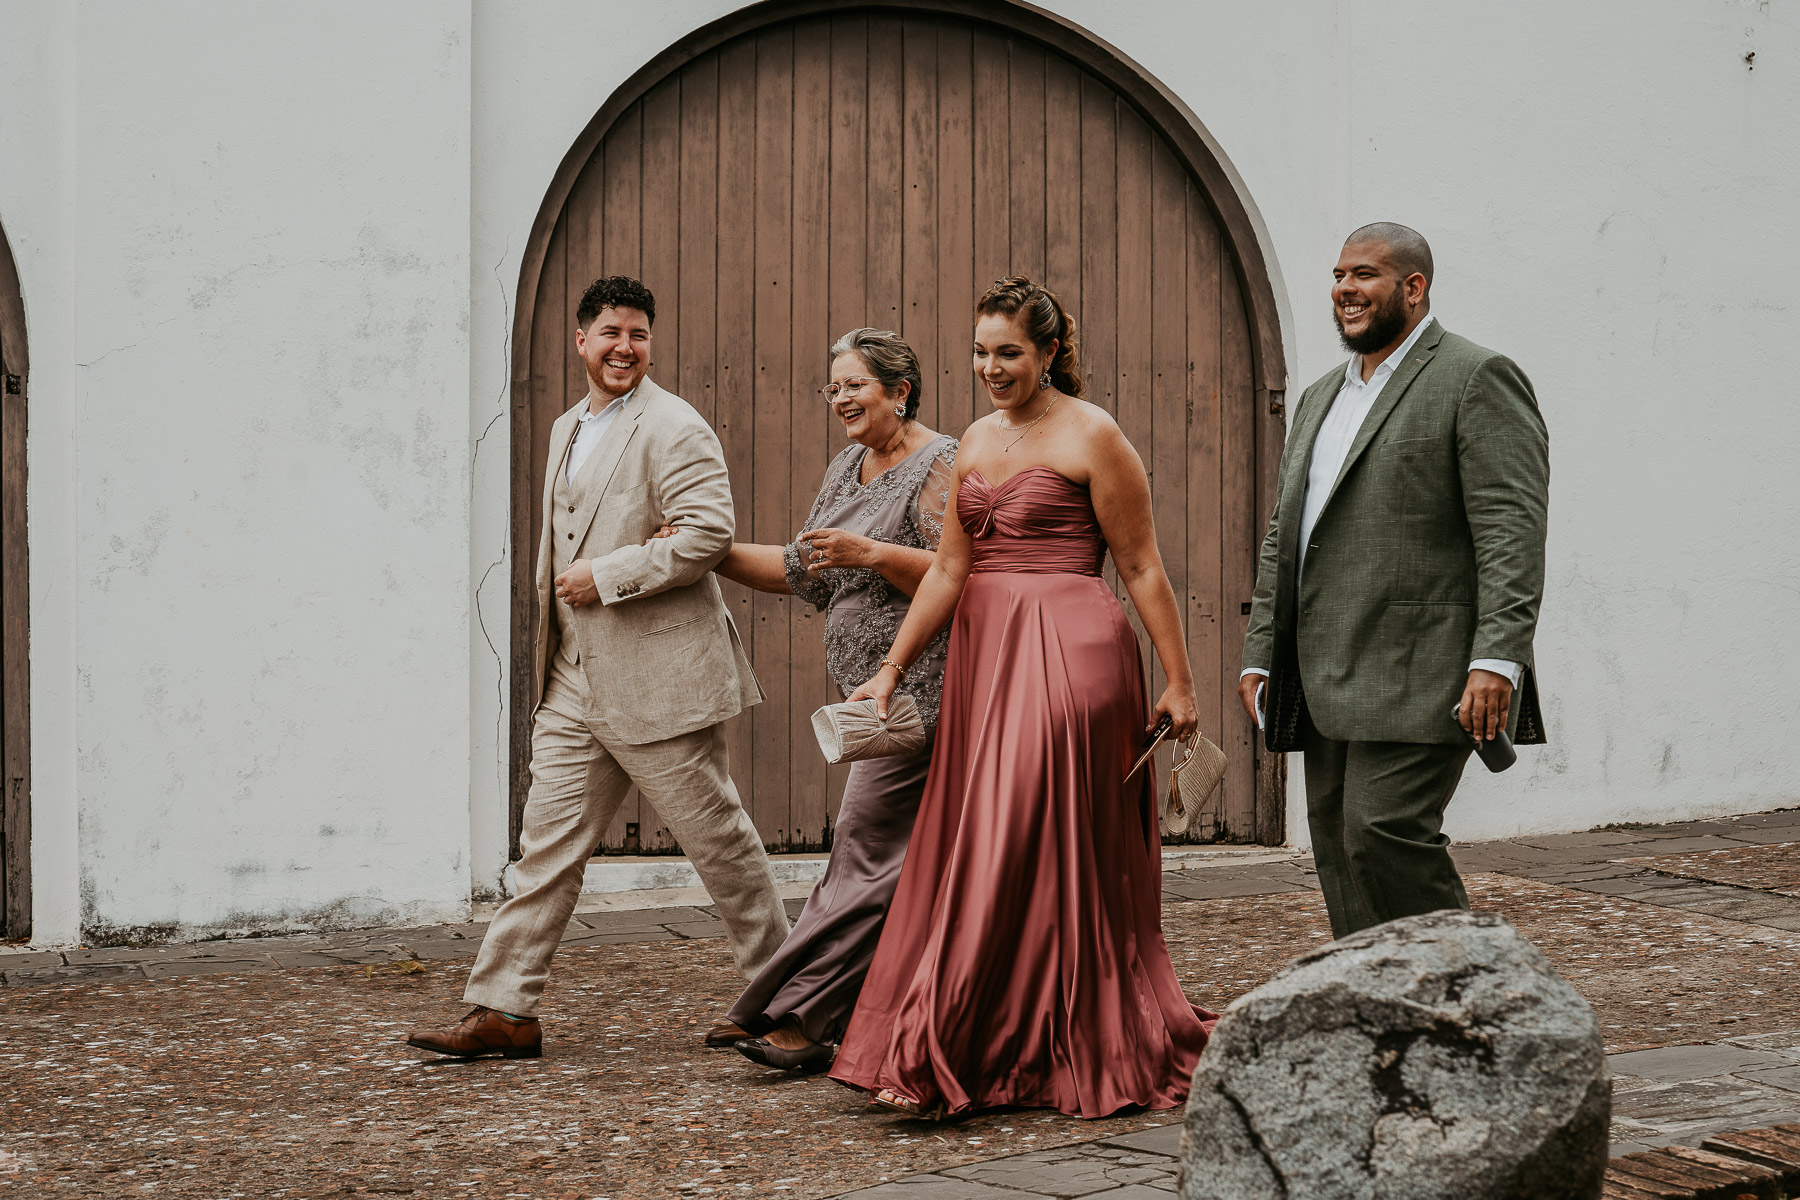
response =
{"points": [[1023, 961]]}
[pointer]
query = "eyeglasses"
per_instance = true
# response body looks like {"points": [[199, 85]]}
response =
{"points": [[848, 390]]}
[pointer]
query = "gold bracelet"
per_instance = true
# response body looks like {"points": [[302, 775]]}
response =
{"points": [[898, 669]]}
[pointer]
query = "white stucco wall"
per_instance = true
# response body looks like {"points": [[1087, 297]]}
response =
{"points": [[244, 243], [270, 268]]}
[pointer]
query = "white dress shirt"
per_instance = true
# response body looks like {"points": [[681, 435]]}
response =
{"points": [[1343, 421], [591, 429]]}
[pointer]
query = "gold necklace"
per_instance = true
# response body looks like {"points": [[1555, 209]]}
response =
{"points": [[1026, 427]]}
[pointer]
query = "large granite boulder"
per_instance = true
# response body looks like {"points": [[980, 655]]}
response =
{"points": [[1438, 1057]]}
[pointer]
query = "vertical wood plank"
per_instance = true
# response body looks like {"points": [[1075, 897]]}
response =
{"points": [[919, 207], [1136, 300], [1237, 482], [811, 684], [848, 296], [696, 221], [1062, 185], [1203, 600], [1026, 154], [993, 172], [15, 610], [956, 280], [660, 205], [550, 334], [622, 190], [734, 376], [848, 282], [882, 166], [774, 214], [1166, 455], [1099, 243], [657, 209]]}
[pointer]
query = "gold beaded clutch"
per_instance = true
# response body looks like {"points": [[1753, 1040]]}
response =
{"points": [[1191, 781]]}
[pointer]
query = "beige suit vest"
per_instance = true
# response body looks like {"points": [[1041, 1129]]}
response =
{"points": [[566, 500]]}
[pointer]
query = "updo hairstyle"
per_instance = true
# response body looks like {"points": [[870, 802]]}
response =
{"points": [[887, 357], [1045, 320]]}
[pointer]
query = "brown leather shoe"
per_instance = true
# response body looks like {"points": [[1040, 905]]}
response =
{"points": [[724, 1036], [483, 1032]]}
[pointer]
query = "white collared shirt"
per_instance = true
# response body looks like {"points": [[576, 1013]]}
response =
{"points": [[1337, 432], [592, 428]]}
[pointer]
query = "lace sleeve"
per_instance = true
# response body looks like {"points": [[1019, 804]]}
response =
{"points": [[806, 587], [934, 496]]}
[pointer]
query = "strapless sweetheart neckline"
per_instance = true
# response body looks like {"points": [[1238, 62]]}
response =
{"points": [[973, 471]]}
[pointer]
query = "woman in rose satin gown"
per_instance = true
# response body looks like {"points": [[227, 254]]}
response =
{"points": [[1023, 960]]}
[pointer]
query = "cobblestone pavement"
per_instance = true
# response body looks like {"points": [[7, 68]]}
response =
{"points": [[274, 1067]]}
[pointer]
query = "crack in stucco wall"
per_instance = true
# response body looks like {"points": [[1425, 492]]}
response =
{"points": [[500, 759]]}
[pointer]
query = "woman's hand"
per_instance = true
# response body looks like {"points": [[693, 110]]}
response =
{"points": [[1183, 713], [829, 548], [880, 688], [665, 531]]}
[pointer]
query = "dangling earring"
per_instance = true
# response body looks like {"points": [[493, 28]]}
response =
{"points": [[1044, 381]]}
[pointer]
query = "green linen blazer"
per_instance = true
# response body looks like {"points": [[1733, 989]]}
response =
{"points": [[1428, 554]]}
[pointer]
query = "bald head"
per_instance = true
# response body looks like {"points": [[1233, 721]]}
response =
{"points": [[1408, 250]]}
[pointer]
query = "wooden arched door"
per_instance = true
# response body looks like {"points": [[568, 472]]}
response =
{"points": [[832, 169], [15, 601]]}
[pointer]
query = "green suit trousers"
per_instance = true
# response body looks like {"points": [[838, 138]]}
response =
{"points": [[1376, 811]]}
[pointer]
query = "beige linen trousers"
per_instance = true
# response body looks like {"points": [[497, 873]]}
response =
{"points": [[632, 690]]}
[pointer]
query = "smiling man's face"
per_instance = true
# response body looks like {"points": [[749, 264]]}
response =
{"points": [[616, 349], [1371, 303]]}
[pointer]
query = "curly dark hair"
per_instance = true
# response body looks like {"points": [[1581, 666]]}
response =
{"points": [[1045, 320], [614, 291]]}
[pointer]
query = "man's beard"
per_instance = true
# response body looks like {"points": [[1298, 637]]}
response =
{"points": [[1385, 324]]}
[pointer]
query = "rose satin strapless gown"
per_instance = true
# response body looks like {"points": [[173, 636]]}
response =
{"points": [[1023, 961]]}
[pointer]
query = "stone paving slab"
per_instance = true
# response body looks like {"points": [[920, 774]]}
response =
{"points": [[1673, 1063], [1786, 1078]]}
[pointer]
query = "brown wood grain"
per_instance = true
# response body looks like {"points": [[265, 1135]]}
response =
{"points": [[15, 610], [1025, 158], [811, 441], [773, 212], [798, 169], [957, 282], [919, 208], [1239, 537], [1098, 322], [733, 356], [1062, 180], [1165, 454], [1214, 677]]}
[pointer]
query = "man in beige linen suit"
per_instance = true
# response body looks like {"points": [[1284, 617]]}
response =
{"points": [[637, 666]]}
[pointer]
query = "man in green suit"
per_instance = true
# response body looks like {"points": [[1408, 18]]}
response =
{"points": [[1400, 578]]}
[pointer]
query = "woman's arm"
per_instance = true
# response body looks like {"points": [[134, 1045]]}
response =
{"points": [[934, 603], [902, 566], [1121, 495], [759, 567]]}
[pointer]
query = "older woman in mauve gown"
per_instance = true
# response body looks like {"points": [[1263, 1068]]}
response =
{"points": [[868, 541], [1023, 960]]}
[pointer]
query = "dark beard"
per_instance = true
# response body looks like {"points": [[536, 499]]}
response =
{"points": [[1385, 324]]}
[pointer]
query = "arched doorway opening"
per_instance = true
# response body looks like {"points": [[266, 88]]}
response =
{"points": [[15, 597], [800, 168]]}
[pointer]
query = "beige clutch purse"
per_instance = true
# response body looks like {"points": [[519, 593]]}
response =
{"points": [[852, 732], [1193, 779]]}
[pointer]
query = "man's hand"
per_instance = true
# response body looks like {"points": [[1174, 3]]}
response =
{"points": [[1248, 687], [575, 586], [1486, 699]]}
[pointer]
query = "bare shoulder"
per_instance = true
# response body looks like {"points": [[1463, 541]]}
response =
{"points": [[1098, 430]]}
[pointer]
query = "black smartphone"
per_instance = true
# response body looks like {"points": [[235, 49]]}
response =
{"points": [[1497, 753], [1151, 742]]}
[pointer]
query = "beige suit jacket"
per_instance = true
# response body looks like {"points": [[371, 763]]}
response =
{"points": [[659, 651]]}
